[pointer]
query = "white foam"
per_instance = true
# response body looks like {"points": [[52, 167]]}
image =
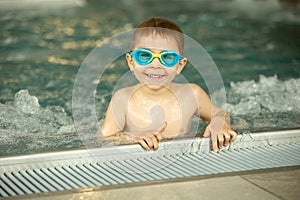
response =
{"points": [[269, 94]]}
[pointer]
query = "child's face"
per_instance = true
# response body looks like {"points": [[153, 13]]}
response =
{"points": [[155, 75]]}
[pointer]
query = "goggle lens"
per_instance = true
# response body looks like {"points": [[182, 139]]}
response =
{"points": [[144, 56]]}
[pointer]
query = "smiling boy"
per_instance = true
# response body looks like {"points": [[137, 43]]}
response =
{"points": [[157, 108]]}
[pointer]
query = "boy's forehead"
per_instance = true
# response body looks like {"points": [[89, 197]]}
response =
{"points": [[156, 42]]}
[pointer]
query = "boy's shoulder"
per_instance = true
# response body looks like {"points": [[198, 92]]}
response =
{"points": [[123, 92], [187, 87], [190, 90]]}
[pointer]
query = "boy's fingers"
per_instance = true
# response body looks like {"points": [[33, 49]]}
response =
{"points": [[143, 143], [152, 142], [206, 132], [227, 138], [159, 136], [233, 135], [220, 140], [149, 142], [214, 142], [163, 127], [155, 142]]}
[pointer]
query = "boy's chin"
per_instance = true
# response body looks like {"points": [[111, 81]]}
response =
{"points": [[155, 86]]}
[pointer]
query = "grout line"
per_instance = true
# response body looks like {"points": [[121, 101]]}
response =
{"points": [[264, 189]]}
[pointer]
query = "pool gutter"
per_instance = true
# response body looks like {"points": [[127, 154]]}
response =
{"points": [[67, 170]]}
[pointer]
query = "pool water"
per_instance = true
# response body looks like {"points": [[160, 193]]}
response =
{"points": [[255, 45]]}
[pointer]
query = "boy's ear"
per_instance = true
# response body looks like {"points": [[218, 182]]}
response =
{"points": [[181, 65], [130, 61]]}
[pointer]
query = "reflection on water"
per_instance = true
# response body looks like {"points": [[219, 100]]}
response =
{"points": [[42, 49]]}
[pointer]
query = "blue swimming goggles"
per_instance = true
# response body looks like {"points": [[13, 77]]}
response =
{"points": [[144, 56]]}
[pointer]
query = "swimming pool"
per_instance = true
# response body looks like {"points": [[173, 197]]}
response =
{"points": [[255, 45]]}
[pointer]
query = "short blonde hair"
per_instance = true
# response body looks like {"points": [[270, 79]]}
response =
{"points": [[162, 27]]}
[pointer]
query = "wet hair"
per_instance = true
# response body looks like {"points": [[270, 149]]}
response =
{"points": [[158, 26]]}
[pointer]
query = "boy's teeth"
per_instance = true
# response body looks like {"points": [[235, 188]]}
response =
{"points": [[154, 76]]}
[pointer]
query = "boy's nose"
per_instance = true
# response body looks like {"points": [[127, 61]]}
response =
{"points": [[156, 63]]}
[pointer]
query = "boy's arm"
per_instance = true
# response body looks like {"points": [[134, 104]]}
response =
{"points": [[122, 137], [205, 108], [114, 123], [115, 116], [219, 121]]}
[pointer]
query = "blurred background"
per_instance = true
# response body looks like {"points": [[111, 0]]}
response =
{"points": [[254, 43]]}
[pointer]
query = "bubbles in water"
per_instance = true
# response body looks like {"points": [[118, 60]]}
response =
{"points": [[269, 104], [26, 103], [25, 126], [267, 95]]}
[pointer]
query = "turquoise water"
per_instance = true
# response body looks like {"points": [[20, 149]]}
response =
{"points": [[255, 45]]}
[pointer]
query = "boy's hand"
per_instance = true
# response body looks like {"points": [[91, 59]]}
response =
{"points": [[152, 141], [220, 132]]}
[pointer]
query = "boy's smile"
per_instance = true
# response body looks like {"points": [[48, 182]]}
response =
{"points": [[154, 72], [154, 76]]}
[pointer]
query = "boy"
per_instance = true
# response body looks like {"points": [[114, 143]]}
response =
{"points": [[158, 108]]}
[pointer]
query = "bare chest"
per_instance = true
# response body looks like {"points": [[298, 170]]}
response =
{"points": [[146, 116]]}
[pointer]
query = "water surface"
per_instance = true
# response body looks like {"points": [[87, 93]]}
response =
{"points": [[255, 45]]}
